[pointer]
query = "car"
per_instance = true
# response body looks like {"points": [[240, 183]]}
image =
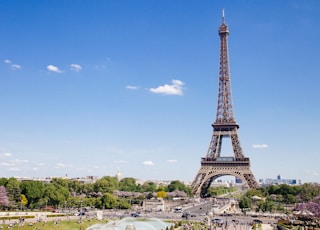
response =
{"points": [[193, 215], [135, 214], [235, 221], [185, 215], [256, 221], [217, 221]]}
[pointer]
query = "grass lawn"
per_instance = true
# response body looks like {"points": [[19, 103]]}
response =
{"points": [[76, 225], [60, 225]]}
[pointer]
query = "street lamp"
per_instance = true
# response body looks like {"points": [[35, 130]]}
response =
{"points": [[226, 214]]}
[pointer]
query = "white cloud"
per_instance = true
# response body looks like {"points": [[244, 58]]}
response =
{"points": [[132, 87], [260, 146], [7, 164], [120, 161], [13, 66], [61, 165], [6, 155], [14, 169], [54, 69], [20, 161], [148, 163], [174, 89], [172, 161], [75, 67]]}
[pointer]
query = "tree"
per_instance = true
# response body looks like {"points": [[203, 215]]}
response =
{"points": [[14, 192], [128, 184], [291, 199], [149, 187], [108, 201], [34, 191], [245, 202], [75, 186], [161, 188], [309, 192], [254, 192], [24, 201], [4, 201], [56, 195], [88, 201], [161, 194], [60, 181], [106, 184], [265, 206], [272, 189], [123, 204], [73, 202], [86, 188], [3, 181], [177, 185]]}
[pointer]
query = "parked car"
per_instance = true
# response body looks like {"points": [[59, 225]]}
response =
{"points": [[185, 215], [135, 214], [219, 222], [256, 221], [235, 221]]}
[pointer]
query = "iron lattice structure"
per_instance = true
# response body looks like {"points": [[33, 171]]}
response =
{"points": [[213, 165]]}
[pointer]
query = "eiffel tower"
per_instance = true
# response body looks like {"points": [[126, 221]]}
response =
{"points": [[213, 165]]}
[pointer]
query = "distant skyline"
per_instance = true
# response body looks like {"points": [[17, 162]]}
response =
{"points": [[92, 87]]}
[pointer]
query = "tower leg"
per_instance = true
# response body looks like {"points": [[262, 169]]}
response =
{"points": [[207, 174]]}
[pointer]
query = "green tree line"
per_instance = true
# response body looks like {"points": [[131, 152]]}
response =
{"points": [[277, 197], [66, 193]]}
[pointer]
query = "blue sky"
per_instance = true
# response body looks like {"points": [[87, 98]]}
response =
{"points": [[90, 87]]}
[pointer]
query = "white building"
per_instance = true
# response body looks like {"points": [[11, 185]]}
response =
{"points": [[153, 204]]}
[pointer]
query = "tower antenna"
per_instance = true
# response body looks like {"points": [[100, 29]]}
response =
{"points": [[222, 15]]}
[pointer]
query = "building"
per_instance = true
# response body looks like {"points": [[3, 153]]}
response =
{"points": [[153, 205], [279, 180]]}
